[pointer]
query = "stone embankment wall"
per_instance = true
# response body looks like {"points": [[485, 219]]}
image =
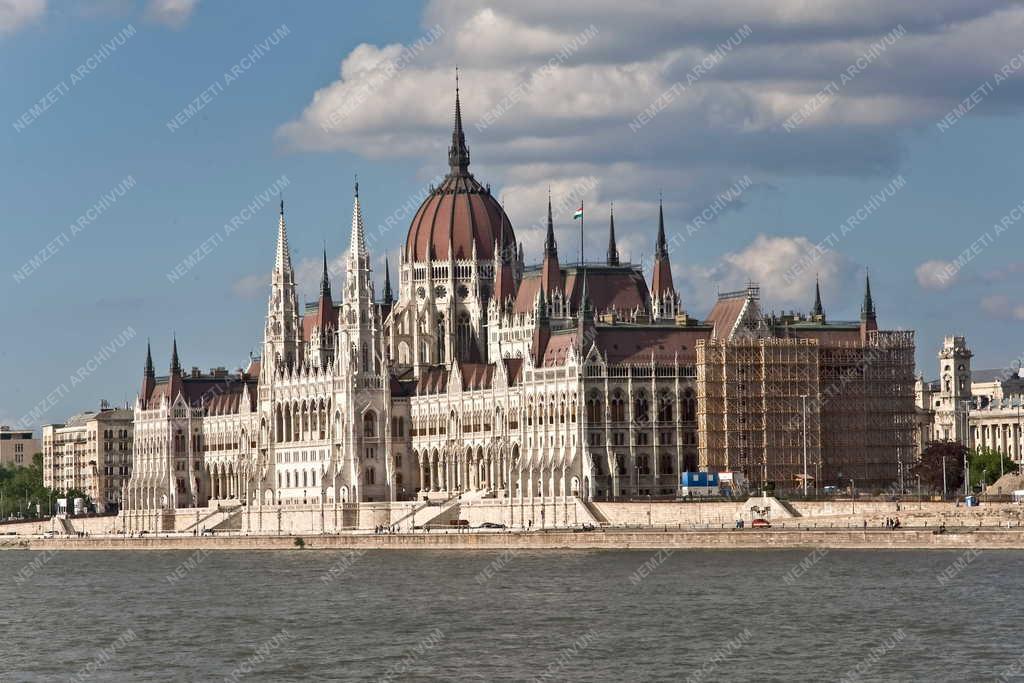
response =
{"points": [[608, 540]]}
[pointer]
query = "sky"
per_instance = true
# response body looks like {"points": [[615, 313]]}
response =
{"points": [[787, 140]]}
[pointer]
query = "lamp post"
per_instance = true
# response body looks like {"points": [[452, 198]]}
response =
{"points": [[853, 498], [803, 401], [944, 478]]}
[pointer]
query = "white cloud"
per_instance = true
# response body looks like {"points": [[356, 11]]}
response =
{"points": [[172, 13], [1000, 307], [936, 275], [252, 286], [769, 261], [15, 14]]}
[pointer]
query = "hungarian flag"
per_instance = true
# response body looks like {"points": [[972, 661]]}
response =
{"points": [[579, 214]]}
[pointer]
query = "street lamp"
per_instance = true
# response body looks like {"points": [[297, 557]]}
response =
{"points": [[853, 498], [803, 401]]}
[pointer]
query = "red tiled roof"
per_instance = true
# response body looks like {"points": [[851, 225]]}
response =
{"points": [[622, 288], [219, 395], [724, 315], [558, 348], [636, 344]]}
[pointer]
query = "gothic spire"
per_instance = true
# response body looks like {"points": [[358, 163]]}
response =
{"points": [[550, 247], [389, 298], [325, 280], [551, 273], [661, 248], [149, 371], [817, 311], [458, 153], [613, 250], [357, 241], [867, 309], [283, 259], [175, 364], [661, 282]]}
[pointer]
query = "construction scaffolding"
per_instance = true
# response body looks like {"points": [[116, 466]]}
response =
{"points": [[757, 397], [867, 410], [755, 403]]}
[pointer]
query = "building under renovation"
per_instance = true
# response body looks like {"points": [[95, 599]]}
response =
{"points": [[532, 385]]}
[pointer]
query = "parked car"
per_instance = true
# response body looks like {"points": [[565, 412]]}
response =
{"points": [[458, 522], [761, 523], [492, 525]]}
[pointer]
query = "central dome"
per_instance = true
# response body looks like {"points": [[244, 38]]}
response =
{"points": [[460, 212]]}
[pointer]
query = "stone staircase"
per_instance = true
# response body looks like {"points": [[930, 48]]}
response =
{"points": [[215, 518], [597, 518]]}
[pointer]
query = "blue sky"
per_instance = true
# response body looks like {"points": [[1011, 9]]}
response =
{"points": [[569, 130]]}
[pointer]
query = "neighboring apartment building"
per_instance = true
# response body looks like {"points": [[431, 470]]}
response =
{"points": [[91, 452], [17, 446]]}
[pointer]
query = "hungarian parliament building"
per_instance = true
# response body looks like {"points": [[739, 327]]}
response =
{"points": [[487, 378]]}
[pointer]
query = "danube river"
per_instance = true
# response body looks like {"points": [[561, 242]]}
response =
{"points": [[486, 616]]}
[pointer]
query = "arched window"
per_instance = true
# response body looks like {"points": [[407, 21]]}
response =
{"points": [[617, 407], [370, 423], [689, 407], [441, 336], [665, 408], [640, 411], [594, 409], [666, 463], [464, 336], [370, 477]]}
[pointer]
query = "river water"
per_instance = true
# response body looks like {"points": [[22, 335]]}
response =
{"points": [[487, 616]]}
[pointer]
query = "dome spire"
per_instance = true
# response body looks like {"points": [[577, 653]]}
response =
{"points": [[613, 250], [458, 153], [175, 363]]}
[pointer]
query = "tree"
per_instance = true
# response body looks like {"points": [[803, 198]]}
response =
{"points": [[930, 465], [984, 463]]}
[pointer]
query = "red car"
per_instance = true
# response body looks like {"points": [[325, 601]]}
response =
{"points": [[760, 524]]}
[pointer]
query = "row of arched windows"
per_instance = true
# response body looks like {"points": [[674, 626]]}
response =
{"points": [[301, 421]]}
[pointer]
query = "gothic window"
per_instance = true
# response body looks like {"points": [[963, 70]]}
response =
{"points": [[665, 408], [640, 408], [617, 407], [464, 335], [366, 357], [593, 409], [370, 477], [666, 463], [440, 338], [370, 424], [643, 464], [620, 464]]}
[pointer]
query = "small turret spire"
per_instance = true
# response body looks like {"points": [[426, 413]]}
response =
{"points": [[661, 281], [867, 309], [613, 250], [175, 364], [149, 371], [283, 258], [817, 311], [550, 246], [389, 298], [325, 281]]}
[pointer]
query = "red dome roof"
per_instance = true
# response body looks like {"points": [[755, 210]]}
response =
{"points": [[460, 212], [464, 212]]}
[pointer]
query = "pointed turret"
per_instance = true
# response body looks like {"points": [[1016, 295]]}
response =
{"points": [[389, 297], [868, 320], [325, 280], [613, 250], [817, 311], [175, 363], [551, 274], [148, 377], [661, 283], [357, 239], [174, 381], [458, 153], [283, 259], [282, 337]]}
